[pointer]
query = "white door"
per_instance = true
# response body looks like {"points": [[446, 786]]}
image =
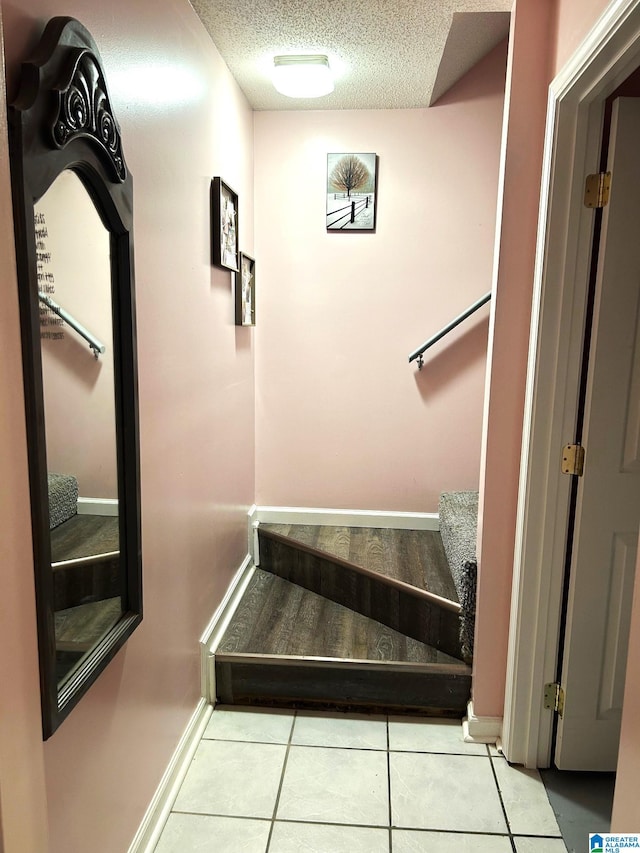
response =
{"points": [[608, 504]]}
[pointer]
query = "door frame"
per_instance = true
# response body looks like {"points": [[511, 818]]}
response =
{"points": [[575, 111]]}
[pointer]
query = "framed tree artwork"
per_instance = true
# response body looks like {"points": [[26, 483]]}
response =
{"points": [[224, 203], [246, 292], [351, 192]]}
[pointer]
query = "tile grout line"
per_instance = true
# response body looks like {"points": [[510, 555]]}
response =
{"points": [[432, 752], [284, 767], [416, 829], [354, 748], [343, 748], [504, 810]]}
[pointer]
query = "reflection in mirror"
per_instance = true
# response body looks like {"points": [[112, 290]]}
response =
{"points": [[74, 274]]}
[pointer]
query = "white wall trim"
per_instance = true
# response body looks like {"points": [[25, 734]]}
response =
{"points": [[213, 633], [480, 729], [155, 817], [572, 143], [253, 545], [97, 506], [347, 517]]}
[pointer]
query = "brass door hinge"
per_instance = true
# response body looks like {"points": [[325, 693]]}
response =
{"points": [[596, 190], [554, 698], [573, 459]]}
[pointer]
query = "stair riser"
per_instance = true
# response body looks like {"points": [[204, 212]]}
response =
{"points": [[300, 683], [416, 616], [78, 584]]}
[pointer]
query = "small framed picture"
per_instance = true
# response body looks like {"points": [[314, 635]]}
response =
{"points": [[246, 292], [224, 211], [351, 192]]}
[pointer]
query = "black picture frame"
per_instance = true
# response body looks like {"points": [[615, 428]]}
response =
{"points": [[225, 222], [246, 291]]}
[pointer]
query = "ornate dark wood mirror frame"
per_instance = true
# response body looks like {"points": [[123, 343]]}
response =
{"points": [[62, 120]]}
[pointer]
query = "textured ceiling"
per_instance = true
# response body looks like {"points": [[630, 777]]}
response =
{"points": [[385, 54]]}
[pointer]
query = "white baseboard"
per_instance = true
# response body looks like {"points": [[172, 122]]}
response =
{"points": [[213, 633], [252, 534], [155, 817], [97, 506], [480, 729], [346, 517], [339, 517], [158, 811]]}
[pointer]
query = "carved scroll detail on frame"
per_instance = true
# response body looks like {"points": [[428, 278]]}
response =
{"points": [[84, 109]]}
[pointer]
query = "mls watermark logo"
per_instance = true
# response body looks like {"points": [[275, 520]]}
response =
{"points": [[613, 843]]}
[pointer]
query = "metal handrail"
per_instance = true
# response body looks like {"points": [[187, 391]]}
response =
{"points": [[97, 347], [417, 354]]}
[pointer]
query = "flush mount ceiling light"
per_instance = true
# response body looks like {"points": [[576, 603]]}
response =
{"points": [[302, 76]]}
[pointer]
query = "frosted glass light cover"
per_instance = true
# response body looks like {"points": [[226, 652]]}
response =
{"points": [[302, 76]]}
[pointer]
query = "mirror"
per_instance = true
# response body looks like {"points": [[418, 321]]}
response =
{"points": [[72, 196], [72, 250]]}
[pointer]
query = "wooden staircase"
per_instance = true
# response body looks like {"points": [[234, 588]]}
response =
{"points": [[347, 617]]}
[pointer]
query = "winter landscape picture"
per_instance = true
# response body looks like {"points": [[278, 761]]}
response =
{"points": [[351, 192]]}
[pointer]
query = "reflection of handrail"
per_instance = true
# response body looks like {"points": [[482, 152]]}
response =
{"points": [[84, 561], [425, 346], [94, 343]]}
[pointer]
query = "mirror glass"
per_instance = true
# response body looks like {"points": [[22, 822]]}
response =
{"points": [[74, 290]]}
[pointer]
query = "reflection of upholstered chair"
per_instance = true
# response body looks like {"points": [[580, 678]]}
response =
{"points": [[63, 498]]}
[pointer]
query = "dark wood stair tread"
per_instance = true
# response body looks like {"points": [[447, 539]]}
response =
{"points": [[414, 557], [277, 617], [410, 610], [291, 647], [84, 535]]}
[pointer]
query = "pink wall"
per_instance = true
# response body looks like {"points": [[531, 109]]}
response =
{"points": [[183, 121], [525, 116], [543, 36], [342, 419], [527, 85], [574, 19], [506, 372]]}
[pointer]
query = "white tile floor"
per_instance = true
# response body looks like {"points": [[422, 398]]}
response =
{"points": [[268, 781]]}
